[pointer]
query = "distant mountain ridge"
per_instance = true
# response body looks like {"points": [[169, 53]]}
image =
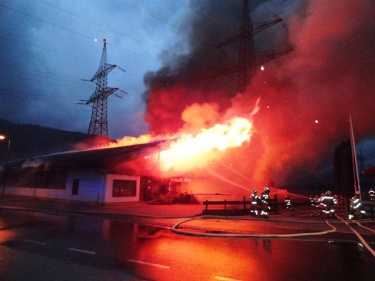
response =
{"points": [[32, 140]]}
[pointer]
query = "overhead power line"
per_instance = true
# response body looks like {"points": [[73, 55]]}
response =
{"points": [[103, 26], [199, 13], [48, 22], [72, 31]]}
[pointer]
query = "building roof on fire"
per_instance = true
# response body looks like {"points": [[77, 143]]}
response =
{"points": [[95, 158]]}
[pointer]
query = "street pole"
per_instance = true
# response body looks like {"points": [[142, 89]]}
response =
{"points": [[357, 185], [5, 171]]}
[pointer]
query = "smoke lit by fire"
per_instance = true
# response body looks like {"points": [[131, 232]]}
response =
{"points": [[203, 139], [306, 98], [329, 75]]}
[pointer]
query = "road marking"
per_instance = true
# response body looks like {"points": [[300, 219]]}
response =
{"points": [[152, 264], [34, 242], [225, 278], [82, 251]]}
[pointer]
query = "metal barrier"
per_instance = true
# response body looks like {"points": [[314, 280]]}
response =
{"points": [[244, 203], [369, 207]]}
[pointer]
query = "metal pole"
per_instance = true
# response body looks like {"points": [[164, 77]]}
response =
{"points": [[357, 186], [5, 171]]}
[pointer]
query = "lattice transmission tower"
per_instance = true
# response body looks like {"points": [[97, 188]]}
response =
{"points": [[99, 122], [248, 61]]}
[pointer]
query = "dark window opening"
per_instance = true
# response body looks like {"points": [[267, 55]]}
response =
{"points": [[75, 187], [124, 188]]}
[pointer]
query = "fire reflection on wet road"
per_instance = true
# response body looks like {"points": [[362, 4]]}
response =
{"points": [[157, 253]]}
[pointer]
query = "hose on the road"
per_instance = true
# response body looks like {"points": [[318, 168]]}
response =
{"points": [[364, 243], [268, 235]]}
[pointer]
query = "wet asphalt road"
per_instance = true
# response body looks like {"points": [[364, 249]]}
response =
{"points": [[37, 246]]}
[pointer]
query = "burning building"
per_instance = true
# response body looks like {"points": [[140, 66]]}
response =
{"points": [[136, 169], [305, 99]]}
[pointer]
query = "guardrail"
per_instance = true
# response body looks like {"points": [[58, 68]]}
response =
{"points": [[343, 207], [369, 207], [244, 210]]}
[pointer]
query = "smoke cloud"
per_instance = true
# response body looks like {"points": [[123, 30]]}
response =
{"points": [[305, 100]]}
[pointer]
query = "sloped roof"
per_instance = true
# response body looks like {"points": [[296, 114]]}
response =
{"points": [[96, 158]]}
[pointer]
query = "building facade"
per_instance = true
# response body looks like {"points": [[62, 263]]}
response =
{"points": [[88, 176]]}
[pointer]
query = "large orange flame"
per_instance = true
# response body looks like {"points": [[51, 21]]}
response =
{"points": [[187, 152], [195, 151], [190, 152]]}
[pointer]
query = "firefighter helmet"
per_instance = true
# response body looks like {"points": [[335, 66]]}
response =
{"points": [[266, 189], [255, 191]]}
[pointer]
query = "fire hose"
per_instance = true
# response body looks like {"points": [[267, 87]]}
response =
{"points": [[364, 243], [291, 235], [178, 231]]}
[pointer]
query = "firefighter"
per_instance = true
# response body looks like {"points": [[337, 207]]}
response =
{"points": [[312, 200], [288, 203], [254, 198], [371, 194], [329, 203], [320, 203], [265, 197], [316, 202], [356, 208]]}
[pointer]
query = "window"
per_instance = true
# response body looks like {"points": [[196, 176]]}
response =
{"points": [[124, 188], [38, 178], [75, 187]]}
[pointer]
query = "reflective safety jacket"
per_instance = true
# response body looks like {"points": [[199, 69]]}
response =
{"points": [[254, 198], [264, 197], [329, 201], [371, 193], [355, 203], [288, 203]]}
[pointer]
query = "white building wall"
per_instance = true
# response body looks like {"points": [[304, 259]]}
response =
{"points": [[91, 186], [94, 186], [35, 192]]}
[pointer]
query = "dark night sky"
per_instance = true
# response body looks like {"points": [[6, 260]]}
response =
{"points": [[48, 46]]}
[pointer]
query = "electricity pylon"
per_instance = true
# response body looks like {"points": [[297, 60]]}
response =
{"points": [[99, 123], [247, 59]]}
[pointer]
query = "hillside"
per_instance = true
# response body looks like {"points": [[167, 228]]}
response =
{"points": [[31, 140]]}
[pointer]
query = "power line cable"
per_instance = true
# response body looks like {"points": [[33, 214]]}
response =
{"points": [[48, 22], [174, 26], [75, 32], [17, 92], [7, 38], [199, 13], [100, 25], [62, 53], [151, 15]]}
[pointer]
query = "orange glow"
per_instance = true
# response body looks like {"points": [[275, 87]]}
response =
{"points": [[184, 151], [195, 151]]}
